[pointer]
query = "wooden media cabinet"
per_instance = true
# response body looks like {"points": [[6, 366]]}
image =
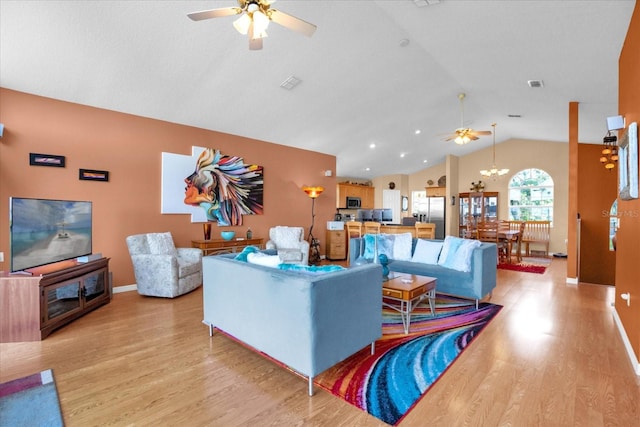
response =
{"points": [[32, 307]]}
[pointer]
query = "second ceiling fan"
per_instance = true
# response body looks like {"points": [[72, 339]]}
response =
{"points": [[255, 18], [464, 135]]}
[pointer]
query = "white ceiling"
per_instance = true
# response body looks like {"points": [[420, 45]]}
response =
{"points": [[359, 86]]}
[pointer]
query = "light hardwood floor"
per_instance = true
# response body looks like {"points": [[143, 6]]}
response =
{"points": [[551, 357]]}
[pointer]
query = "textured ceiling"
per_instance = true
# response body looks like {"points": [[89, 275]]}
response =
{"points": [[359, 85]]}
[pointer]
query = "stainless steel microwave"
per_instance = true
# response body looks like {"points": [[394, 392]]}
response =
{"points": [[353, 202]]}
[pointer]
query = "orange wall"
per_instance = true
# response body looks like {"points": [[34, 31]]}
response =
{"points": [[130, 148], [629, 232], [597, 190]]}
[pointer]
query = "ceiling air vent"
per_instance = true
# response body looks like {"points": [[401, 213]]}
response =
{"points": [[290, 82], [535, 83]]}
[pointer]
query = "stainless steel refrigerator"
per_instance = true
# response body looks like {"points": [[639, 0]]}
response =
{"points": [[435, 213]]}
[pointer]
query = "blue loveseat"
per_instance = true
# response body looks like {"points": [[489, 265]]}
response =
{"points": [[306, 321], [475, 284]]}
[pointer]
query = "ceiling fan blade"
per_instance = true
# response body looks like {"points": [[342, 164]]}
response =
{"points": [[482, 132], [214, 13], [292, 23]]}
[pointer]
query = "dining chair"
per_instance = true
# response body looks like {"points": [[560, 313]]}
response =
{"points": [[489, 232], [371, 227], [354, 229], [425, 230]]}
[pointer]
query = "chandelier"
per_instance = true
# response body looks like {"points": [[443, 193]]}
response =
{"points": [[609, 151], [494, 173]]}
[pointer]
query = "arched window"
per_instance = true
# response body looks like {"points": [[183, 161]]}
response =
{"points": [[531, 196]]}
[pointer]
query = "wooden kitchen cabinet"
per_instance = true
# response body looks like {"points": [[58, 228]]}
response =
{"points": [[336, 245], [365, 193]]}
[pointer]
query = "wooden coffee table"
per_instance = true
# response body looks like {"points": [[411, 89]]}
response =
{"points": [[408, 290]]}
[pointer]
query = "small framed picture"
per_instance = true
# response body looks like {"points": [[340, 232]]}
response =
{"points": [[36, 159], [94, 175]]}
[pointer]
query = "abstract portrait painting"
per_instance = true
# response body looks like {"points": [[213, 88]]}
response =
{"points": [[211, 186]]}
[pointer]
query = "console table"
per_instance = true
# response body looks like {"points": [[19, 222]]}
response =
{"points": [[221, 246], [31, 307]]}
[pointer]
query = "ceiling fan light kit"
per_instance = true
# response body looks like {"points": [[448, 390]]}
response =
{"points": [[464, 135], [256, 15]]}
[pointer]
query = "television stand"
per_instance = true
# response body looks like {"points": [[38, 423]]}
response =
{"points": [[32, 307]]}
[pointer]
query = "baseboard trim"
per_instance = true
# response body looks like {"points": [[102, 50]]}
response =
{"points": [[572, 280], [627, 344], [127, 288]]}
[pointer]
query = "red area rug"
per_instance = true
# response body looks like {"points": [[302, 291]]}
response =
{"points": [[525, 267]]}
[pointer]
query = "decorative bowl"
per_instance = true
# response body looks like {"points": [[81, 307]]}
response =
{"points": [[228, 235]]}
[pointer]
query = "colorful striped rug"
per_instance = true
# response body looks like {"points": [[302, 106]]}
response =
{"points": [[389, 383]]}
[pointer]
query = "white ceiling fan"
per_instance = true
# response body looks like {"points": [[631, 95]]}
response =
{"points": [[464, 135], [255, 18]]}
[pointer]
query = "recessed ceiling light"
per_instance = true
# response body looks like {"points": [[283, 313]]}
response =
{"points": [[418, 131], [425, 161], [402, 154], [372, 145], [367, 169], [404, 42]]}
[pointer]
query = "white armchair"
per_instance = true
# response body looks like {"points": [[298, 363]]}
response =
{"points": [[161, 269], [290, 244]]}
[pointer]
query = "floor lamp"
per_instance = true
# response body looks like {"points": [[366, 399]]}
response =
{"points": [[314, 244]]}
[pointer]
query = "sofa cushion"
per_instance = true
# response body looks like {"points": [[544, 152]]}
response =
{"points": [[402, 247], [186, 268], [426, 252], [456, 253], [290, 255]]}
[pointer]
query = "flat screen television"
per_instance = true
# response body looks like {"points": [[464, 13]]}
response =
{"points": [[46, 231]]}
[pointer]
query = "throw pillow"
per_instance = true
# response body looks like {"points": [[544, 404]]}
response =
{"points": [[427, 252], [402, 247], [456, 253], [263, 259], [242, 256], [161, 244], [369, 246], [384, 245]]}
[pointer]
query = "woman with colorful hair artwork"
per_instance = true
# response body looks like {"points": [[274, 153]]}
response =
{"points": [[225, 188]]}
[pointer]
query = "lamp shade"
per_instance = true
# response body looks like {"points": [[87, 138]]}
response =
{"points": [[313, 192]]}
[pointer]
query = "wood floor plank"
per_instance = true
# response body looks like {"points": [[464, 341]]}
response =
{"points": [[551, 357]]}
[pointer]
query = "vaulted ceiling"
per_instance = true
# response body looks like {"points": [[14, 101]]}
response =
{"points": [[373, 73]]}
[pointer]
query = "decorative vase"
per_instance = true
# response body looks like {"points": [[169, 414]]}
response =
{"points": [[206, 228], [384, 261]]}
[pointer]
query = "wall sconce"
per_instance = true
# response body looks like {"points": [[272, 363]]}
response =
{"points": [[615, 123]]}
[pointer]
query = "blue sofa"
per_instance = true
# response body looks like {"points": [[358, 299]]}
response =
{"points": [[476, 284], [306, 321]]}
